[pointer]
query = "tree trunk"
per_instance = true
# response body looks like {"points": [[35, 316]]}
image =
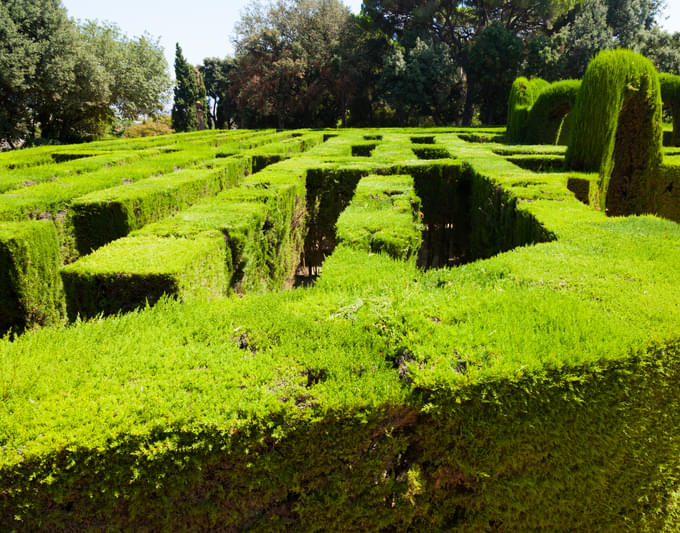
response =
{"points": [[469, 109]]}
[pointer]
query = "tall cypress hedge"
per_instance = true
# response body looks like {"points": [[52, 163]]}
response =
{"points": [[187, 93], [549, 117], [670, 94], [523, 94], [616, 129]]}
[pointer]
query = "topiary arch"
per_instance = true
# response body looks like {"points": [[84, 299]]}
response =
{"points": [[616, 130], [523, 94], [549, 118], [670, 94]]}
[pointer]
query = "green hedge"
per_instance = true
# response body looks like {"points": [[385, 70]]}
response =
{"points": [[617, 131], [523, 94], [431, 151], [31, 293], [52, 200], [384, 216], [261, 239], [241, 221], [534, 390], [549, 119], [129, 162], [103, 216], [136, 271], [27, 177], [670, 94]]}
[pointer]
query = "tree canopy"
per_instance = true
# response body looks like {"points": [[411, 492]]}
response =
{"points": [[63, 81], [311, 63], [407, 62]]}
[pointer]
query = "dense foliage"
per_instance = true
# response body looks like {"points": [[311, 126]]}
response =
{"points": [[63, 81], [617, 130], [189, 111], [406, 62], [522, 391]]}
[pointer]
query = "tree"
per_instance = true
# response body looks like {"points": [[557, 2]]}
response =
{"points": [[140, 81], [457, 23], [52, 84], [218, 77], [422, 83], [494, 61], [64, 82], [358, 70], [287, 57], [18, 57], [187, 94], [663, 49], [629, 19], [588, 35]]}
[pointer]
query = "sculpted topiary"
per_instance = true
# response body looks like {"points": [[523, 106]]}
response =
{"points": [[670, 94], [523, 94], [549, 118], [616, 130]]}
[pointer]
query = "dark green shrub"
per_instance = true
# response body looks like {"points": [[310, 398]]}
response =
{"points": [[549, 116], [617, 131], [523, 94], [670, 94]]}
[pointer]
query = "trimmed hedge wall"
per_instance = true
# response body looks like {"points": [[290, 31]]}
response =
{"points": [[384, 216], [31, 293], [670, 94], [47, 191], [525, 392], [617, 131], [523, 94], [137, 271], [103, 216], [549, 119]]}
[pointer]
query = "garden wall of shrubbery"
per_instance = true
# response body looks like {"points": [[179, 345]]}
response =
{"points": [[531, 385]]}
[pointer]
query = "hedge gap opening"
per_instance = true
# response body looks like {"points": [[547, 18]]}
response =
{"points": [[329, 192], [466, 217]]}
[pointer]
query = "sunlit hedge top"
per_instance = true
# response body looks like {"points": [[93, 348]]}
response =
{"points": [[612, 77]]}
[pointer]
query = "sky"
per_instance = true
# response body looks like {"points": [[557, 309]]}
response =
{"points": [[206, 31]]}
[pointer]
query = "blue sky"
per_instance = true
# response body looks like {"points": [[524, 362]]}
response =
{"points": [[207, 30]]}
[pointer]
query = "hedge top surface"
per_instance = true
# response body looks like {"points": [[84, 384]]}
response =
{"points": [[603, 290], [610, 79], [143, 255]]}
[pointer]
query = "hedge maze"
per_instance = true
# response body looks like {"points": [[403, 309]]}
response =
{"points": [[350, 330]]}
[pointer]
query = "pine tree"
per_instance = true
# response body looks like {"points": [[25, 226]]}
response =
{"points": [[184, 116]]}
